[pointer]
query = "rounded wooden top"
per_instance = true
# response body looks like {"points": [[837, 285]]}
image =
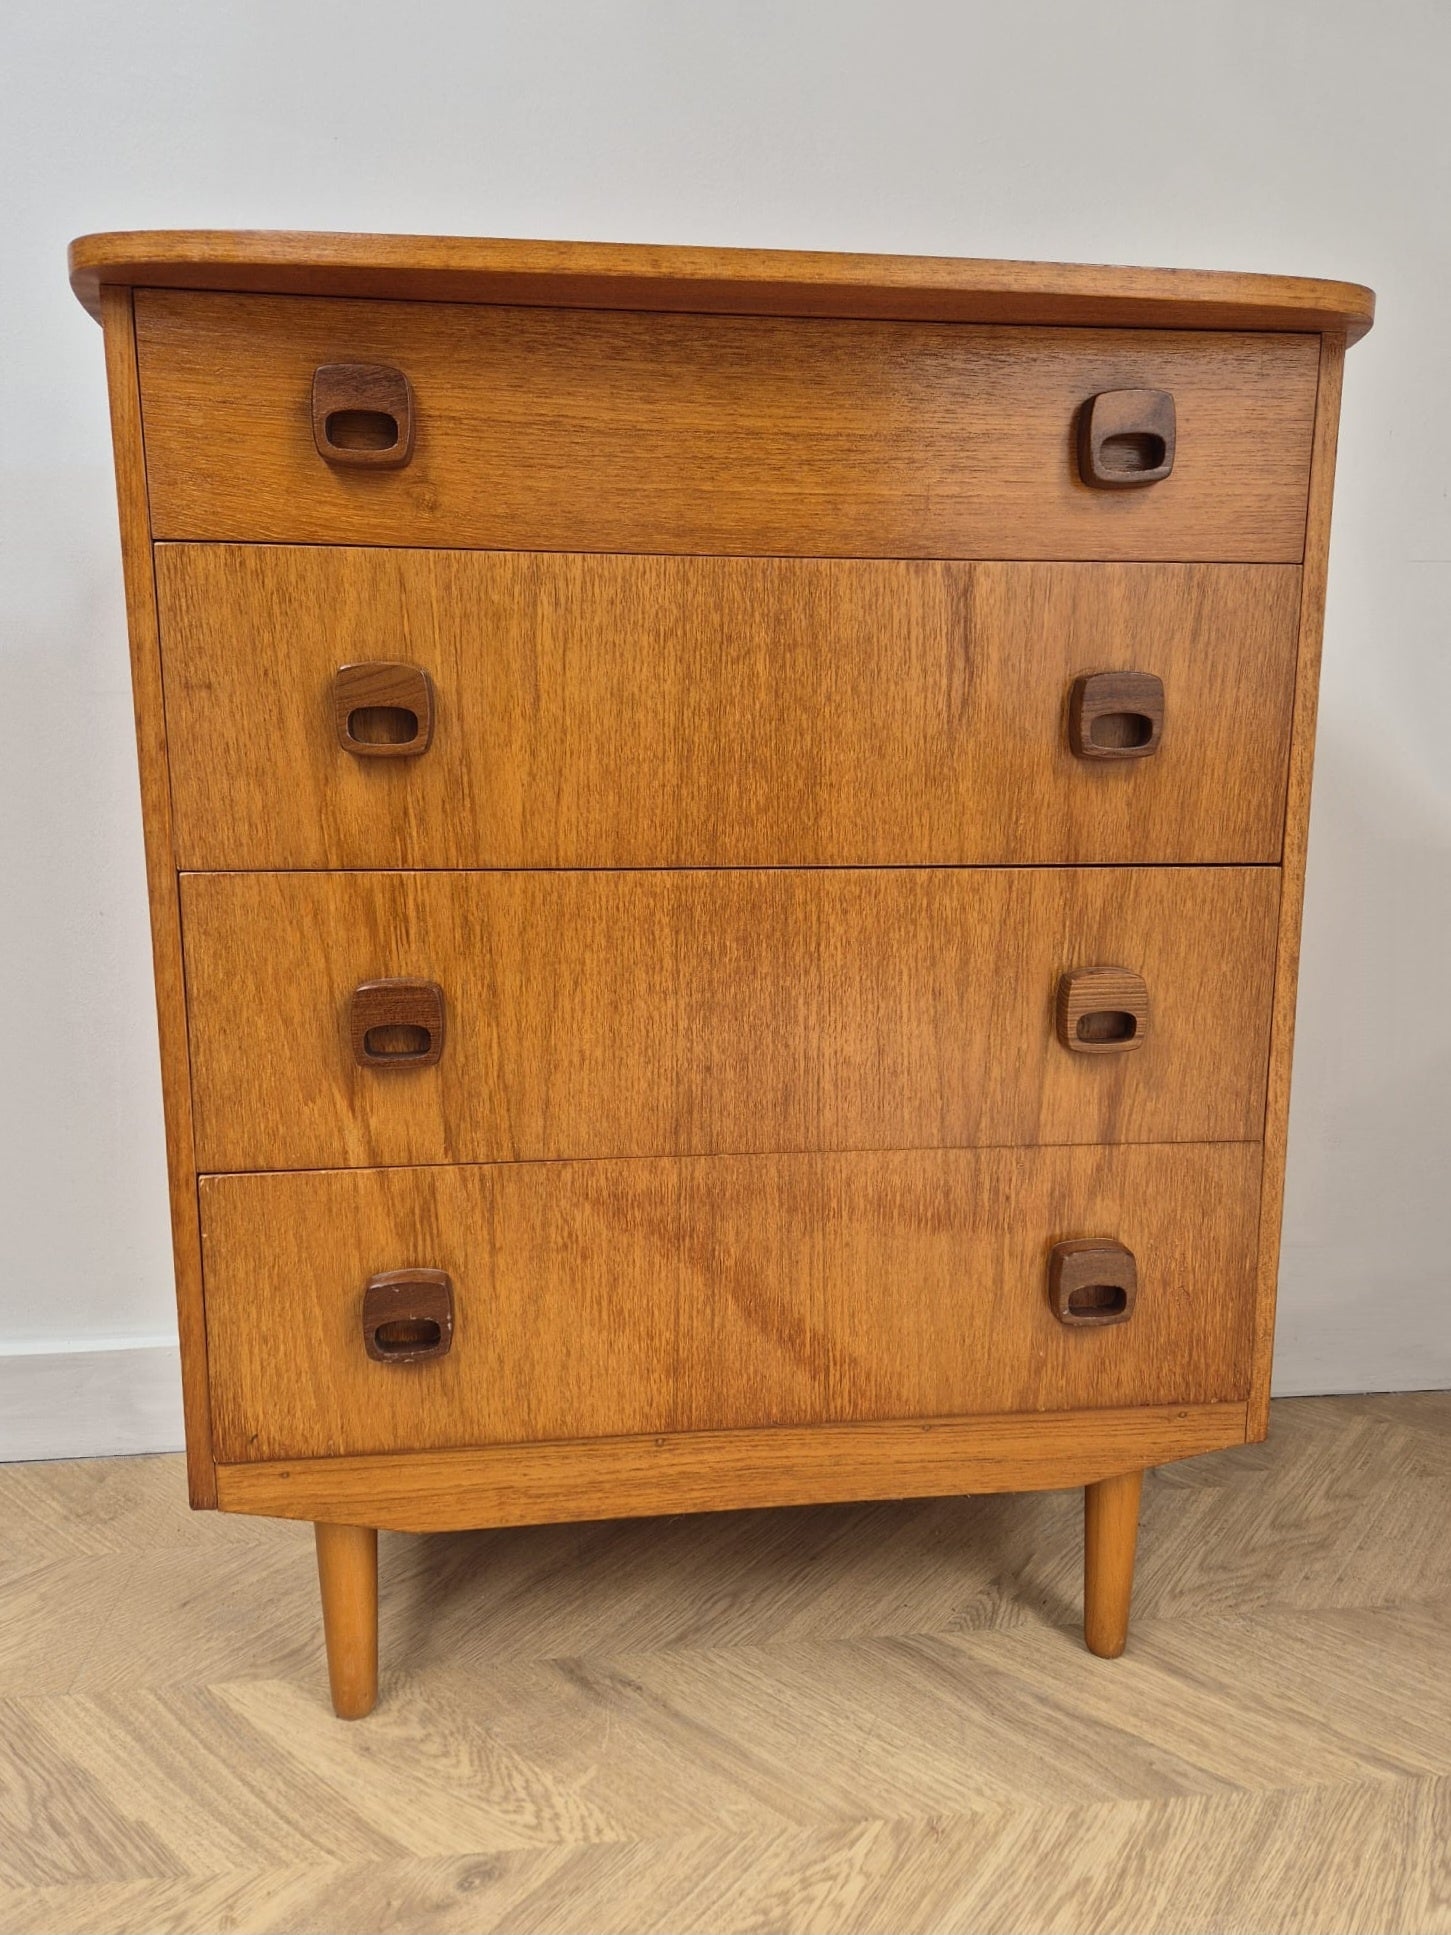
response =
{"points": [[781, 282]]}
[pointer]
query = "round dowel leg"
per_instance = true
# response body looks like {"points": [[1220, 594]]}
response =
{"points": [[1110, 1533], [347, 1571]]}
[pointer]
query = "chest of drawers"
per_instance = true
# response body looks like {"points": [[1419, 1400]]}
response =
{"points": [[725, 836]]}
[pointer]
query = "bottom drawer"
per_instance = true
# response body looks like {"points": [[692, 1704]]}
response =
{"points": [[596, 1299]]}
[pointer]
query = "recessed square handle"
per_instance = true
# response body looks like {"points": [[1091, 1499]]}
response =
{"points": [[362, 415], [1092, 1281], [383, 709], [1102, 1010], [1116, 715], [396, 1024], [408, 1316], [1126, 439]]}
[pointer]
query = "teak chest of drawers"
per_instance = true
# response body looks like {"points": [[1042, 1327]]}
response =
{"points": [[725, 836]]}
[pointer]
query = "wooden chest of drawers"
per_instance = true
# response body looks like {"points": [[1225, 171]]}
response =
{"points": [[725, 837]]}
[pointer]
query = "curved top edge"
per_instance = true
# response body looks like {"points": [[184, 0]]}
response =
{"points": [[630, 275]]}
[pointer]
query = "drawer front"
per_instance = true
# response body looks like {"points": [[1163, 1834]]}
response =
{"points": [[597, 1299], [647, 712], [540, 429], [622, 1014]]}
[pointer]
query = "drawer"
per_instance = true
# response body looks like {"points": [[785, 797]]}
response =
{"points": [[678, 1013], [551, 429], [599, 1299], [610, 711]]}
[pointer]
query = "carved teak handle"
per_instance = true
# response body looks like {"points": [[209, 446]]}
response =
{"points": [[1126, 439], [1092, 1281], [396, 1024], [383, 709], [362, 415], [1102, 1010], [1116, 715], [408, 1316]]}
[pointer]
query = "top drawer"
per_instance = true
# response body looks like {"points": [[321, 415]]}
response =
{"points": [[591, 430]]}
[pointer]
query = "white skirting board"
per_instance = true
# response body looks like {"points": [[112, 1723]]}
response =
{"points": [[90, 1403]]}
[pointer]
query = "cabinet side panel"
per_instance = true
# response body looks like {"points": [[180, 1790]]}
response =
{"points": [[119, 326], [1292, 882]]}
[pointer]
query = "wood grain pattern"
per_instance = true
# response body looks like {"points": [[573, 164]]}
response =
{"points": [[597, 431], [616, 711], [603, 275], [615, 1298], [673, 1013], [1354, 1857], [726, 1471], [161, 884], [1296, 839]]}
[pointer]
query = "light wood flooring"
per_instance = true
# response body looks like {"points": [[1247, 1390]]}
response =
{"points": [[874, 1718]]}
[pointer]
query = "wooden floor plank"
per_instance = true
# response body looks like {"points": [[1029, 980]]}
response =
{"points": [[1366, 1858], [851, 1719]]}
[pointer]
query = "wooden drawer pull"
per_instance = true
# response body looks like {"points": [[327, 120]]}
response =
{"points": [[1126, 439], [1102, 1010], [1092, 1281], [396, 1024], [383, 709], [408, 1316], [362, 415], [1116, 715]]}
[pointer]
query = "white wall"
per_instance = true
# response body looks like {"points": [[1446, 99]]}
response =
{"points": [[1292, 135]]}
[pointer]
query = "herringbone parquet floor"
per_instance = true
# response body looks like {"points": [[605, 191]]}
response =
{"points": [[873, 1718]]}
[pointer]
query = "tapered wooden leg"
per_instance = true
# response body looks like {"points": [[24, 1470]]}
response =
{"points": [[347, 1570], [1110, 1533]]}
